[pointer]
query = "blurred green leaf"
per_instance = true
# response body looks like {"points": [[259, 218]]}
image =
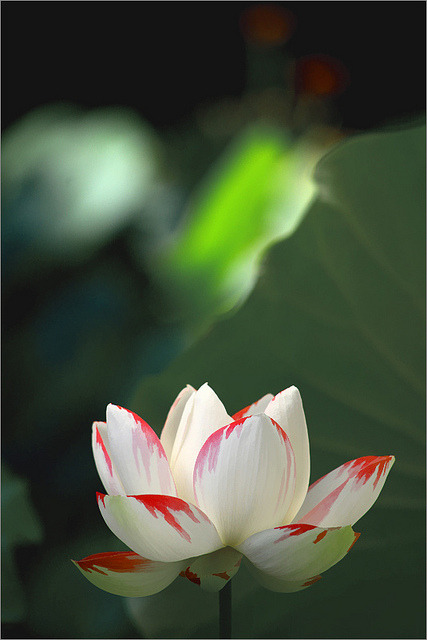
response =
{"points": [[338, 311], [256, 192], [20, 526]]}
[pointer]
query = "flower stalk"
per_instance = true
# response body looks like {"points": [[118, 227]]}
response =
{"points": [[225, 611]]}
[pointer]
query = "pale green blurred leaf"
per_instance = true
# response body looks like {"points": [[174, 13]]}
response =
{"points": [[72, 180], [338, 311]]}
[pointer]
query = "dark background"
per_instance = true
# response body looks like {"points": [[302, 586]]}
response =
{"points": [[164, 58]]}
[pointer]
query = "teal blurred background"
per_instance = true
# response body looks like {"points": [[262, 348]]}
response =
{"points": [[222, 192]]}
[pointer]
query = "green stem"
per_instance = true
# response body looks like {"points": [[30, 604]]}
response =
{"points": [[225, 611]]}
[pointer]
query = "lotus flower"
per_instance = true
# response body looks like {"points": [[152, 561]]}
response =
{"points": [[216, 488]]}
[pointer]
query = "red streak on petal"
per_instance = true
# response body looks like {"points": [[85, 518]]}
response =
{"points": [[289, 471], [368, 469], [361, 469], [356, 538], [192, 577], [237, 424], [238, 563], [99, 441], [242, 413], [152, 438], [321, 535], [177, 399], [208, 454], [312, 581], [141, 444], [117, 561], [280, 431], [359, 466], [166, 505], [223, 574], [288, 475], [324, 506], [101, 498], [145, 445], [293, 530], [297, 529]]}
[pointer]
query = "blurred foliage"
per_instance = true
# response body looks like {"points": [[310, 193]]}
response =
{"points": [[338, 311], [72, 179], [20, 526], [256, 193]]}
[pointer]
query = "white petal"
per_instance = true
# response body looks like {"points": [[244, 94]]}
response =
{"points": [[159, 527], [203, 414], [125, 573], [244, 477], [214, 570], [256, 407], [137, 454], [167, 437], [290, 558], [345, 494], [287, 410], [101, 452]]}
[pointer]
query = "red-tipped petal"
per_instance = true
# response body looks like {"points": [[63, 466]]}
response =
{"points": [[287, 410], [212, 571], [256, 407], [125, 573], [104, 464], [345, 494], [159, 527], [137, 454], [244, 477], [288, 558]]}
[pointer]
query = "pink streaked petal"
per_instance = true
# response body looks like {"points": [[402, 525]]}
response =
{"points": [[125, 573], [345, 494], [287, 410], [296, 553], [138, 454], [167, 437], [256, 407], [159, 527], [104, 465], [203, 414], [244, 477], [212, 571]]}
